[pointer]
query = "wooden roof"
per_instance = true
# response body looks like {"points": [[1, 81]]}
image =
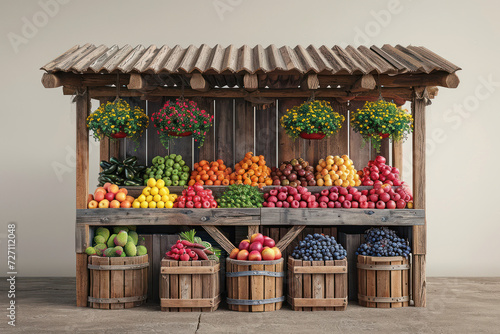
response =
{"points": [[225, 60]]}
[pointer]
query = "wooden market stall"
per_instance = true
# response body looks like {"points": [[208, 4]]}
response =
{"points": [[247, 90]]}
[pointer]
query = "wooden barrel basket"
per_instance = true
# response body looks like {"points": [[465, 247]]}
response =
{"points": [[118, 282], [254, 286], [383, 281]]}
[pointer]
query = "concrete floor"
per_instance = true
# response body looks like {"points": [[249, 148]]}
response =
{"points": [[455, 305]]}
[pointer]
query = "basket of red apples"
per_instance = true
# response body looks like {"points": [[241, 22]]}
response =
{"points": [[258, 248], [197, 197], [378, 172]]}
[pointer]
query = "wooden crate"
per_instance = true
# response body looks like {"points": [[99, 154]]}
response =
{"points": [[118, 282], [383, 281], [254, 286], [189, 286], [317, 285]]}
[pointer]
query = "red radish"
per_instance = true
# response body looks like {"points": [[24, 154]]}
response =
{"points": [[184, 257], [177, 256]]}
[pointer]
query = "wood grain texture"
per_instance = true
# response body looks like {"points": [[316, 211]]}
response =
{"points": [[289, 237], [82, 280], [207, 151], [243, 129], [383, 285], [257, 287], [224, 135], [397, 156], [306, 284], [185, 286], [318, 284], [219, 237], [155, 147], [82, 150], [341, 284], [265, 134], [359, 152], [131, 148], [287, 147], [419, 281], [174, 286]]}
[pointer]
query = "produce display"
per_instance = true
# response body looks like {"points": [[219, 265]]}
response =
{"points": [[381, 241], [257, 248], [241, 196], [155, 195], [196, 197], [252, 170], [319, 247], [109, 196], [122, 173], [213, 173], [378, 172], [290, 197], [296, 172], [192, 248], [122, 243], [338, 171], [171, 169]]}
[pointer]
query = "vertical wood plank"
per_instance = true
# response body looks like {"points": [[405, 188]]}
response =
{"points": [[404, 283], [235, 284], [358, 152], [104, 147], [138, 282], [243, 129], [385, 146], [185, 286], [145, 279], [257, 284], [318, 285], [82, 150], [207, 151], [383, 285], [362, 280], [297, 284], [164, 284], [196, 285], [82, 280], [155, 147], [224, 136], [243, 288], [174, 286], [129, 281], [307, 284], [396, 288], [147, 241], [216, 285], [287, 147], [265, 134], [269, 288], [206, 286], [117, 283], [372, 278], [229, 283], [95, 281], [279, 284], [104, 282], [340, 284], [329, 284], [131, 148], [156, 256], [397, 156], [419, 281]]}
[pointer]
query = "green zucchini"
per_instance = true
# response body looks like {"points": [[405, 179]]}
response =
{"points": [[131, 183], [110, 170], [115, 161], [120, 170], [129, 173], [105, 165], [130, 160]]}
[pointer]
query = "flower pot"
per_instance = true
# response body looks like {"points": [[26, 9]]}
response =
{"points": [[384, 135], [315, 136], [119, 135], [180, 134]]}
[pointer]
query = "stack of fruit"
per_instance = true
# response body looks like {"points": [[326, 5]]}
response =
{"points": [[290, 197], [241, 196], [258, 248], [296, 172], [171, 169], [383, 196], [191, 247], [123, 242], [378, 172], [109, 196], [340, 197], [252, 170], [380, 241], [338, 171], [196, 197], [319, 247], [155, 195], [213, 173], [123, 173]]}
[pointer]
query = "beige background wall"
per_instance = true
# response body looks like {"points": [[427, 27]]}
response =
{"points": [[37, 125]]}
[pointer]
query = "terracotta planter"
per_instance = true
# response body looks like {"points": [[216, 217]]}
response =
{"points": [[180, 134], [119, 135], [314, 136]]}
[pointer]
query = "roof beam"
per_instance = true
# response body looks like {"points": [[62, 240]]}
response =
{"points": [[198, 82], [250, 82], [366, 82], [54, 80], [310, 81]]}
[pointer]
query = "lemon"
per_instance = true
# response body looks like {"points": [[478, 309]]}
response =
{"points": [[136, 204], [151, 182], [149, 198], [144, 204], [160, 205], [163, 191], [154, 191], [165, 198], [152, 205], [157, 198], [160, 183], [169, 204], [141, 198], [146, 191]]}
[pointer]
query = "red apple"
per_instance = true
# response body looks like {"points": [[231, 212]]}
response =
{"points": [[277, 253], [109, 196], [373, 198], [380, 205], [234, 253], [380, 159], [267, 254], [255, 246], [347, 204], [197, 205], [400, 204], [244, 244], [384, 197], [242, 255], [257, 237], [254, 256], [92, 204], [390, 204], [269, 242], [363, 205], [354, 204], [371, 205]]}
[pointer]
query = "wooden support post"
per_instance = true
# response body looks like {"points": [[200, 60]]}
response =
{"points": [[219, 237], [289, 237], [104, 142], [82, 280], [252, 229], [250, 82], [419, 232], [82, 150], [397, 156]]}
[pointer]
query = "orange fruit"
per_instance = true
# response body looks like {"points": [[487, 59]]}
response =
{"points": [[204, 177], [217, 183], [255, 159], [220, 161], [213, 177], [209, 183], [203, 162], [191, 182], [226, 182]]}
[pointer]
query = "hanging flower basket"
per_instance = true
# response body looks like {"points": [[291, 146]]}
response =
{"points": [[117, 120], [313, 136], [181, 118], [180, 134], [381, 119], [312, 120]]}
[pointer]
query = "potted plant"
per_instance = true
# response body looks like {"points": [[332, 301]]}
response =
{"points": [[117, 120], [312, 120], [381, 119], [181, 118]]}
